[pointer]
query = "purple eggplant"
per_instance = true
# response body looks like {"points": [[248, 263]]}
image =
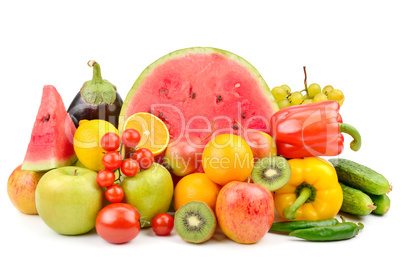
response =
{"points": [[97, 99]]}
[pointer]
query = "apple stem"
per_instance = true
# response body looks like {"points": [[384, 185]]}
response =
{"points": [[75, 172]]}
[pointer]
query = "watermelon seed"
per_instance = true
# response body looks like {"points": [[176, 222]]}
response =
{"points": [[237, 85], [219, 99], [160, 114], [46, 118], [243, 115], [191, 93], [163, 91], [235, 127], [150, 111]]}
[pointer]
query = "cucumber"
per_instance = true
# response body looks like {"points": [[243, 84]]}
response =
{"points": [[382, 202], [356, 202], [360, 177]]}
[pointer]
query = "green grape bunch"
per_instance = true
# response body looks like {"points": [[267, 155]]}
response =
{"points": [[313, 93]]}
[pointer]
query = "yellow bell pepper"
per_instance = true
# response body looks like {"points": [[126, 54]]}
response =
{"points": [[312, 193]]}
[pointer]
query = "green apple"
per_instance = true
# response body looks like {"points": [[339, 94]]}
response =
{"points": [[150, 191], [68, 199], [79, 164]]}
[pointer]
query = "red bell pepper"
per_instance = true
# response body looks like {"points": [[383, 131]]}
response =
{"points": [[311, 130]]}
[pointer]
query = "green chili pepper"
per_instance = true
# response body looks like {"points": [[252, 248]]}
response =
{"points": [[289, 226], [340, 231]]}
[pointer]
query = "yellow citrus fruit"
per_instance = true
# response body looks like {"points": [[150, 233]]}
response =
{"points": [[87, 142], [195, 187], [154, 133], [227, 157]]}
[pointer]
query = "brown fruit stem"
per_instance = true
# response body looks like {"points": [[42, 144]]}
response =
{"points": [[212, 132], [239, 124]]}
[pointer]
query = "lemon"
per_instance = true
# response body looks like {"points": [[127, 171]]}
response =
{"points": [[87, 142]]}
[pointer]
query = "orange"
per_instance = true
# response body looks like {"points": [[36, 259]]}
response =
{"points": [[154, 133], [195, 187], [226, 158]]}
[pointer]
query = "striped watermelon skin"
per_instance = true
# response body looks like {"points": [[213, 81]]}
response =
{"points": [[51, 143], [195, 90]]}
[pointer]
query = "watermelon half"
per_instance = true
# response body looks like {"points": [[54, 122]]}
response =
{"points": [[51, 144], [195, 90]]}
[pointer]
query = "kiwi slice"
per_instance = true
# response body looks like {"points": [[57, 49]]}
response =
{"points": [[195, 222], [273, 172]]}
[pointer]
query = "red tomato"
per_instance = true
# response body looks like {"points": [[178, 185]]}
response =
{"points": [[162, 224], [110, 141], [111, 160], [118, 223], [144, 157], [114, 193], [131, 137], [130, 167], [105, 178]]}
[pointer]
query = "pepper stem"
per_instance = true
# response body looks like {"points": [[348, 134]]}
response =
{"points": [[352, 131], [97, 77], [290, 212]]}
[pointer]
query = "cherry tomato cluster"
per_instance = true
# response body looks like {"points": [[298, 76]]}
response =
{"points": [[119, 222], [112, 160]]}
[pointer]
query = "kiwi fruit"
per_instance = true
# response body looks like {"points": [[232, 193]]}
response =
{"points": [[195, 222], [273, 172]]}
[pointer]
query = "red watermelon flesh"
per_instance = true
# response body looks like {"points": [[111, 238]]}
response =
{"points": [[51, 144], [196, 89]]}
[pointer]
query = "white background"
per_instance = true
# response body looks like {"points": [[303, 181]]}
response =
{"points": [[353, 45]]}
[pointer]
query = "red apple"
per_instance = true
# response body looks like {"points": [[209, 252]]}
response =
{"points": [[181, 157], [21, 188], [245, 211], [261, 143]]}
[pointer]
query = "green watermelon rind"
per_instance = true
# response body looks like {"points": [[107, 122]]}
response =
{"points": [[48, 165], [179, 53]]}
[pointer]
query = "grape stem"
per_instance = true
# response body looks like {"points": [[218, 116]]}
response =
{"points": [[305, 78]]}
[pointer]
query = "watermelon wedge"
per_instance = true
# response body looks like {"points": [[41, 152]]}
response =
{"points": [[195, 90], [51, 144]]}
